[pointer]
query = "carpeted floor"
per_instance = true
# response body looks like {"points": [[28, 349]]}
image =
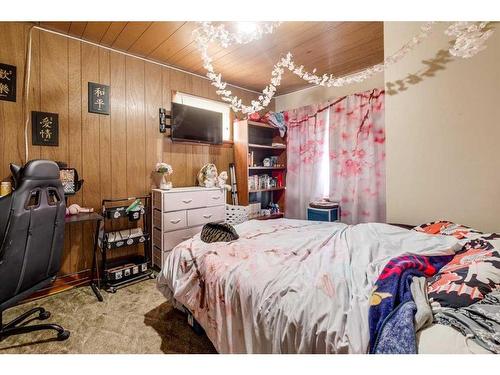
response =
{"points": [[137, 319]]}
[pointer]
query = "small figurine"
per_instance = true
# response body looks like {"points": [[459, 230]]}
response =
{"points": [[221, 181]]}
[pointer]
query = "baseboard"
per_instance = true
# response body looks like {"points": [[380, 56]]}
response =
{"points": [[61, 284]]}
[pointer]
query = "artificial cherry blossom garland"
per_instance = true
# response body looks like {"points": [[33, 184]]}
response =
{"points": [[470, 39]]}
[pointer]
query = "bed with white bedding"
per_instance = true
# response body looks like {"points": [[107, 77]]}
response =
{"points": [[291, 286]]}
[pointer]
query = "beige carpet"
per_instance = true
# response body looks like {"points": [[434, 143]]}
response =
{"points": [[137, 319]]}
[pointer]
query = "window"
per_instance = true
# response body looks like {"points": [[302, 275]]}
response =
{"points": [[211, 105]]}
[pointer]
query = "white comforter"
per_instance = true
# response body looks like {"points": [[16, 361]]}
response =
{"points": [[289, 286]]}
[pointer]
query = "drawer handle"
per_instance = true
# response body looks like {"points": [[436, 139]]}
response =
{"points": [[187, 201], [216, 197], [207, 216], [176, 221]]}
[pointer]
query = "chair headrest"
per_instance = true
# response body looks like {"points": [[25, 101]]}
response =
{"points": [[35, 170]]}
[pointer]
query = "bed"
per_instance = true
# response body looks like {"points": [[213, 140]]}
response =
{"points": [[293, 286]]}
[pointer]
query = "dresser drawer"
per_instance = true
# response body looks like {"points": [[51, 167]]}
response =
{"points": [[172, 239], [171, 220], [216, 197], [205, 215], [185, 200]]}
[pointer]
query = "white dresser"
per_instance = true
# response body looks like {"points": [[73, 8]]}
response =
{"points": [[180, 213]]}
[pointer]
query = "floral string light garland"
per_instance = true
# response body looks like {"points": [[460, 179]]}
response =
{"points": [[470, 39]]}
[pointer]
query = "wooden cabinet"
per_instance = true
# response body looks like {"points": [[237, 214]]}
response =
{"points": [[253, 143]]}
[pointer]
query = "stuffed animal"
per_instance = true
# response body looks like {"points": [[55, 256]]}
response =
{"points": [[221, 181], [207, 177], [76, 209]]}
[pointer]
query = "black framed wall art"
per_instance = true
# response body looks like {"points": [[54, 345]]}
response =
{"points": [[8, 77], [98, 98], [45, 129]]}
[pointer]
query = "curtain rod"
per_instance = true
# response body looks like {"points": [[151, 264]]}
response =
{"points": [[336, 101], [134, 56]]}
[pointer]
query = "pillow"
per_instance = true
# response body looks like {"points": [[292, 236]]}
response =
{"points": [[473, 272], [217, 232]]}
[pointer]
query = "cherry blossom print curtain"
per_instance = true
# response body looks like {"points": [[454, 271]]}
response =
{"points": [[337, 149], [357, 156], [306, 161]]}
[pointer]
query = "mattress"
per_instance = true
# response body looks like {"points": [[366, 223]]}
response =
{"points": [[290, 286]]}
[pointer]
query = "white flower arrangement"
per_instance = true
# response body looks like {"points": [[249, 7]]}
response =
{"points": [[470, 40], [164, 168]]}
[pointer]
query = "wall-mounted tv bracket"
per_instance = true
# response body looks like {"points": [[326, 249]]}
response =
{"points": [[165, 120]]}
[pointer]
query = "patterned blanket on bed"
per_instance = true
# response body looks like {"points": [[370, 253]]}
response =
{"points": [[392, 308], [479, 321]]}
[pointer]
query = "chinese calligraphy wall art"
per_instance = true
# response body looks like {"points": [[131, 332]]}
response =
{"points": [[7, 82], [45, 129], [98, 98]]}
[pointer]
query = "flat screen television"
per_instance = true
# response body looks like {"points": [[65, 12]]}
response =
{"points": [[191, 124]]}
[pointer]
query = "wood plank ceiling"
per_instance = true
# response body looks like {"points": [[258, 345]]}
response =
{"points": [[331, 47]]}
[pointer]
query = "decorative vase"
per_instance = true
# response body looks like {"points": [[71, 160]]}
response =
{"points": [[164, 183]]}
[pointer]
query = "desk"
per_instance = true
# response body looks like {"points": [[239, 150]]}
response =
{"points": [[90, 216]]}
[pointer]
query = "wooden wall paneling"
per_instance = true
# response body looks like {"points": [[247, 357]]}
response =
{"points": [[153, 101], [90, 147], [75, 231], [179, 151], [12, 52], [200, 153], [34, 87], [189, 150], [118, 146], [105, 130], [54, 98], [54, 89], [136, 131], [167, 104], [118, 127], [136, 166]]}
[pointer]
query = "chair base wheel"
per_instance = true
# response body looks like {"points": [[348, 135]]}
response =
{"points": [[44, 315], [64, 335]]}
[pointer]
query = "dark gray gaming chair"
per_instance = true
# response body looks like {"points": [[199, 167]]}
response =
{"points": [[31, 241]]}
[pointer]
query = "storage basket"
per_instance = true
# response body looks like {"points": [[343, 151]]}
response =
{"points": [[236, 214]]}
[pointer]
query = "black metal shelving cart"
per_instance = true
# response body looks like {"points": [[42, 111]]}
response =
{"points": [[121, 271]]}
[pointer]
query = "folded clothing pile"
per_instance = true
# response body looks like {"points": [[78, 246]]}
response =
{"points": [[121, 235]]}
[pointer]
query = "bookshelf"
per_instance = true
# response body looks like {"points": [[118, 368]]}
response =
{"points": [[254, 142]]}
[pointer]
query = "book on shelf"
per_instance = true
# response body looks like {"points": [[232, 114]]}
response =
{"points": [[250, 159]]}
